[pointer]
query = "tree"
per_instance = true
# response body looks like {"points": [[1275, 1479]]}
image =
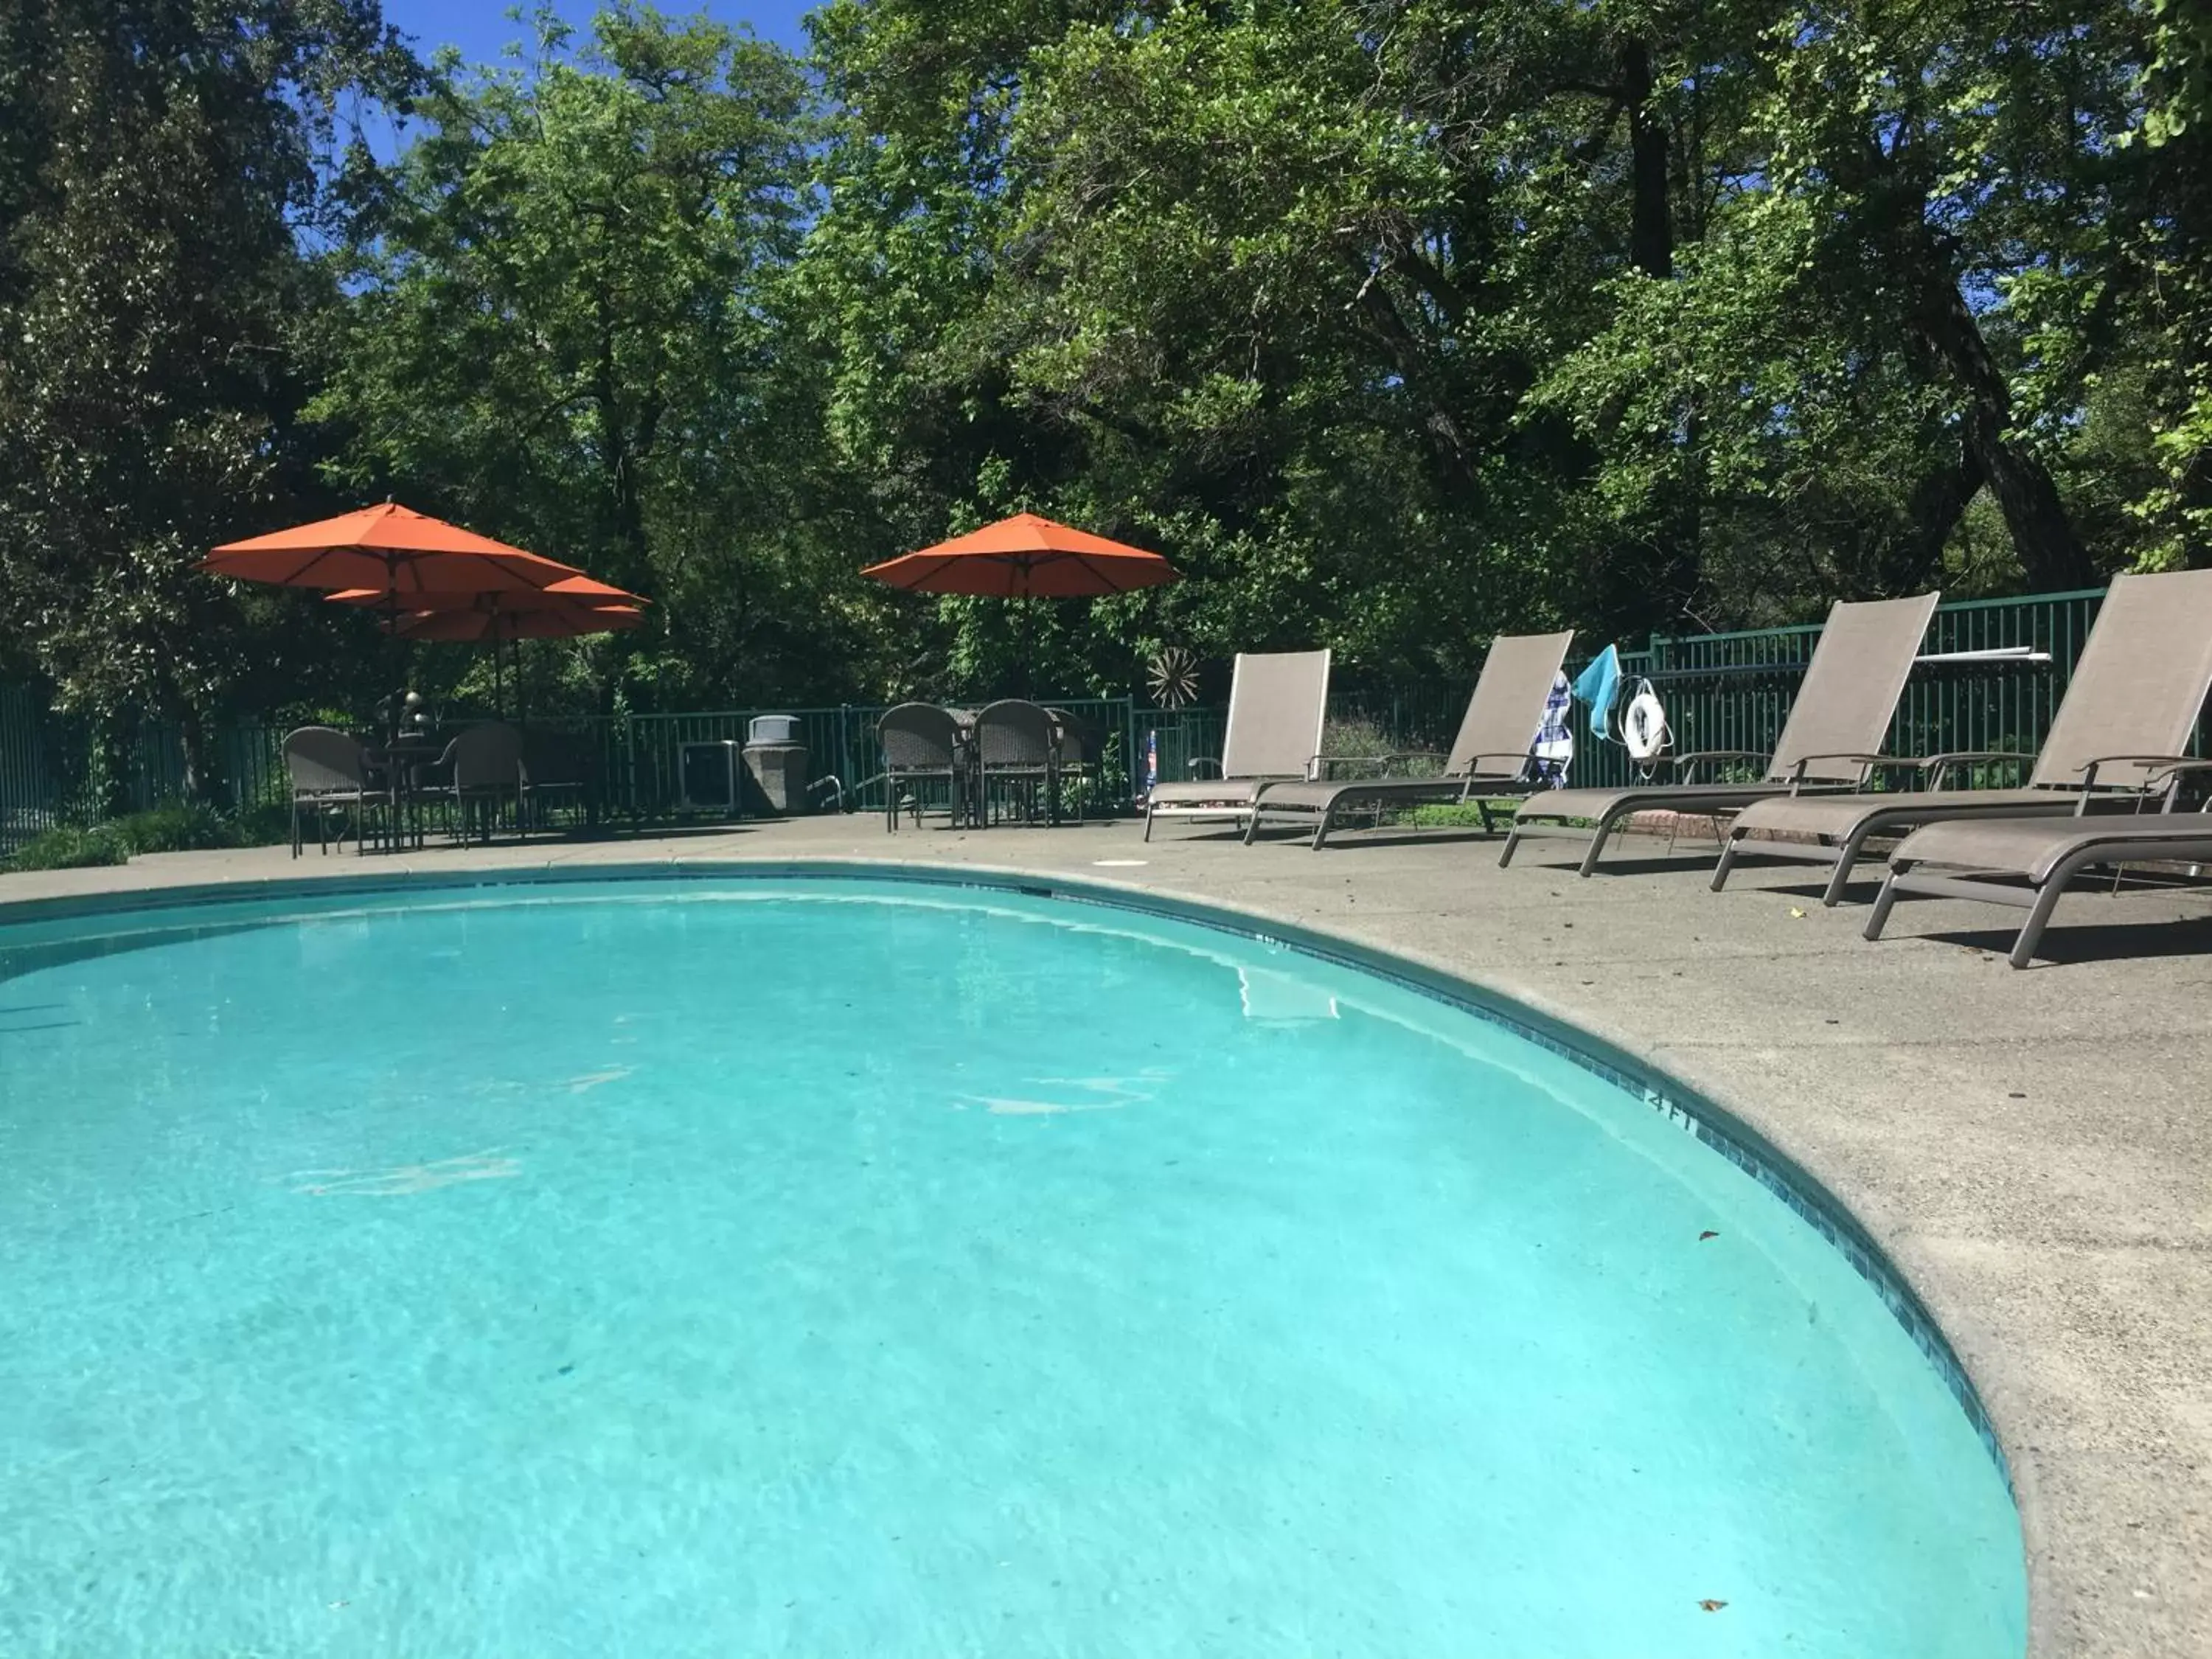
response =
{"points": [[160, 162], [571, 329], [1408, 319]]}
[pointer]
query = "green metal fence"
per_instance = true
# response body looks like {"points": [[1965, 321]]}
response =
{"points": [[640, 758], [1721, 692], [1734, 690]]}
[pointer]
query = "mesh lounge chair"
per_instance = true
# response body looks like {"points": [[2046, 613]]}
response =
{"points": [[1491, 754], [2130, 707], [2027, 862], [328, 768], [1016, 744], [1277, 702], [1842, 711], [922, 744]]}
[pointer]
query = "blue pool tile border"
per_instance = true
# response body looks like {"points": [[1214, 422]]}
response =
{"points": [[1681, 1106]]}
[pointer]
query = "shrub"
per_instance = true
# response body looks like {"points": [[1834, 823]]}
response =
{"points": [[177, 827], [71, 849], [174, 827], [1453, 815], [266, 825], [1356, 746]]}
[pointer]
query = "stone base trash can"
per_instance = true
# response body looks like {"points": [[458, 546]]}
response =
{"points": [[775, 767]]}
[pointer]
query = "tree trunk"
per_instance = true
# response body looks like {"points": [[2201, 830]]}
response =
{"points": [[1650, 225], [2051, 553], [192, 740], [1939, 501], [625, 497]]}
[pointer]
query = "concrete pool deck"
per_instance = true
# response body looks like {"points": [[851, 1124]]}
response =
{"points": [[2033, 1150]]}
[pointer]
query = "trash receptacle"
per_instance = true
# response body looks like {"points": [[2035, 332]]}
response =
{"points": [[775, 758]]}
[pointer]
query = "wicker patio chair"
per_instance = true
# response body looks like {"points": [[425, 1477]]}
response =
{"points": [[327, 769], [922, 744], [1017, 750]]}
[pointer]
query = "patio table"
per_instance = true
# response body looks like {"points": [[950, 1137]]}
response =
{"points": [[399, 762]]}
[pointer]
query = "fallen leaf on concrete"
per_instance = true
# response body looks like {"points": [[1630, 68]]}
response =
{"points": [[1795, 911]]}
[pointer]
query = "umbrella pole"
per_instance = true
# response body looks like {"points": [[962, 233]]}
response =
{"points": [[1029, 635], [391, 632]]}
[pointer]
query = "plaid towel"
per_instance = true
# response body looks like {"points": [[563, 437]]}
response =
{"points": [[1554, 747]]}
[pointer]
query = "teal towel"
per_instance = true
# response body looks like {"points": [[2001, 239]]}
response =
{"points": [[1597, 685]]}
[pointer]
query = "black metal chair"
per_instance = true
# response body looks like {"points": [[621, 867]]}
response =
{"points": [[922, 744], [327, 769], [1017, 750]]}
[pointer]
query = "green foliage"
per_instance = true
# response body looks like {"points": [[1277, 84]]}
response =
{"points": [[173, 827], [1395, 323], [1459, 816], [159, 164], [177, 827], [573, 329], [70, 848]]}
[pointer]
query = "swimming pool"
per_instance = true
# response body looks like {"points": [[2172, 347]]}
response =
{"points": [[823, 1268]]}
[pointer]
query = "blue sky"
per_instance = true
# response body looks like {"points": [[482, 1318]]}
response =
{"points": [[480, 28]]}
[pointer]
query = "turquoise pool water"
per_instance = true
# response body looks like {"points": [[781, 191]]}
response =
{"points": [[875, 1269]]}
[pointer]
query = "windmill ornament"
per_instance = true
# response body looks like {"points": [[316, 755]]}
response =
{"points": [[1173, 676]]}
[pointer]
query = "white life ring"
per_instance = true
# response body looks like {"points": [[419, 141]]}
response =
{"points": [[1644, 725]]}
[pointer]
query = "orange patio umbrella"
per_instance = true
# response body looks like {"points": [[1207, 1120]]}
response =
{"points": [[391, 549], [570, 592], [1026, 557], [536, 621], [568, 609]]}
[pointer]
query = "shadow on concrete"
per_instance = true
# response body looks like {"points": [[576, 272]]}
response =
{"points": [[1856, 893], [1393, 836], [1688, 863], [2070, 944]]}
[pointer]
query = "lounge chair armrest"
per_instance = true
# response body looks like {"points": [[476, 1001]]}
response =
{"points": [[1519, 758], [1323, 765], [2168, 769], [1402, 758], [1684, 765], [1939, 767], [1214, 761], [1866, 764]]}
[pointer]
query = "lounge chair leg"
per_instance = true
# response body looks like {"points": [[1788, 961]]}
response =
{"points": [[1252, 826], [1512, 841], [1847, 860], [1321, 829], [1884, 903], [1482, 810], [2038, 916], [1728, 862], [1148, 820], [1598, 839]]}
